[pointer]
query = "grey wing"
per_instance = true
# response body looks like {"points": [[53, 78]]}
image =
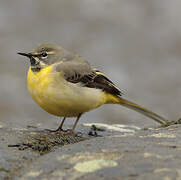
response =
{"points": [[74, 70], [81, 72]]}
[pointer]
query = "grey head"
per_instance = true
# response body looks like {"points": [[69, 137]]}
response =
{"points": [[47, 54]]}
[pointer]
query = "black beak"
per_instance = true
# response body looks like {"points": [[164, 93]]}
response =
{"points": [[26, 54]]}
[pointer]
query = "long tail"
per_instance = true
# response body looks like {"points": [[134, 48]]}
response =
{"points": [[138, 108]]}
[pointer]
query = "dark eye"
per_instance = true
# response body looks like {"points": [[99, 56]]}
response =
{"points": [[44, 54]]}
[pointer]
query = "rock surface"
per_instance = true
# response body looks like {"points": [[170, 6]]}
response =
{"points": [[119, 153]]}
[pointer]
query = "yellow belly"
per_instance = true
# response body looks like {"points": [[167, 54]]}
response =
{"points": [[59, 97]]}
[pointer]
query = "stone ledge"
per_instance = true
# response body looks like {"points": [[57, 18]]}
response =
{"points": [[143, 154]]}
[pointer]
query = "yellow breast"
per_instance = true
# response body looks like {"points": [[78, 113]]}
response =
{"points": [[59, 97], [38, 82]]}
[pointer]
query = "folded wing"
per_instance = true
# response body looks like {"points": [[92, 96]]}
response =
{"points": [[79, 71]]}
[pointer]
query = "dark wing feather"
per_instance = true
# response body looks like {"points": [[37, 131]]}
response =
{"points": [[100, 81], [79, 72]]}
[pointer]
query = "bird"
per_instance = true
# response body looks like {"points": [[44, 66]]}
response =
{"points": [[64, 84]]}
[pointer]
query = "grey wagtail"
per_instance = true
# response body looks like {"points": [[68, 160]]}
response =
{"points": [[65, 85]]}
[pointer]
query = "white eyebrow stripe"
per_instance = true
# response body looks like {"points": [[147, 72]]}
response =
{"points": [[51, 52]]}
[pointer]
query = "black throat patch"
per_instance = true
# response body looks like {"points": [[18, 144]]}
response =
{"points": [[35, 69]]}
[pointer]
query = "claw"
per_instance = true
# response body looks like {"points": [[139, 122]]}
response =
{"points": [[62, 132]]}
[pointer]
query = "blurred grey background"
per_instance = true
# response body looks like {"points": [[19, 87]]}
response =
{"points": [[136, 43]]}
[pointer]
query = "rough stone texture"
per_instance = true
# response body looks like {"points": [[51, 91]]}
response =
{"points": [[136, 154]]}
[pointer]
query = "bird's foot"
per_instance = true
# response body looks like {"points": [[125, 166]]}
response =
{"points": [[62, 132]]}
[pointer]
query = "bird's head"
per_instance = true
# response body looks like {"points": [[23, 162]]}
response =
{"points": [[45, 55]]}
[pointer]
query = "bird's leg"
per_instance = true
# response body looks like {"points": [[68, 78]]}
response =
{"points": [[67, 132], [75, 124], [61, 125], [59, 129]]}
